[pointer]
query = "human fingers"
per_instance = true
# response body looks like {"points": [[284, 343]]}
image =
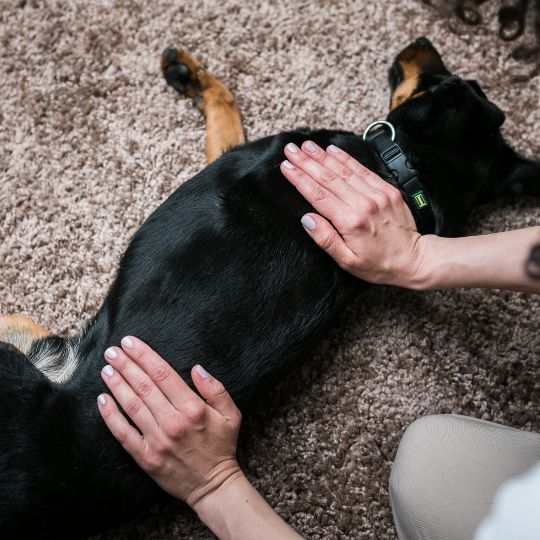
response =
{"points": [[160, 372], [363, 173], [130, 402], [140, 382], [325, 202], [151, 460], [327, 238], [312, 160], [215, 394], [130, 439], [360, 186]]}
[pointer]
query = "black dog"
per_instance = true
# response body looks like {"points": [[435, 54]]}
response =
{"points": [[223, 272]]}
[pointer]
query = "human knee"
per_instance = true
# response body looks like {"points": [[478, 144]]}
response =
{"points": [[414, 450]]}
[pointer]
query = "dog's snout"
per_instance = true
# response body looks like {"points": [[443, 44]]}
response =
{"points": [[412, 64]]}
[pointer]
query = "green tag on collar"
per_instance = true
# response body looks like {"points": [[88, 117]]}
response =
{"points": [[419, 199]]}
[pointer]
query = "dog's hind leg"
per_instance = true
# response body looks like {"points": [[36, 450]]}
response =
{"points": [[20, 331], [223, 122]]}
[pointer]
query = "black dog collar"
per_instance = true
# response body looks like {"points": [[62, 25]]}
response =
{"points": [[404, 173]]}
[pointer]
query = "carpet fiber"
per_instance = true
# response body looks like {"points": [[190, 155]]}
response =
{"points": [[92, 140]]}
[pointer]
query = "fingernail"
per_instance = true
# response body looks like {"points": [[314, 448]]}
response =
{"points": [[127, 342], [102, 399], [291, 147], [311, 146], [108, 370], [333, 149], [202, 372], [288, 165], [111, 353], [308, 222]]}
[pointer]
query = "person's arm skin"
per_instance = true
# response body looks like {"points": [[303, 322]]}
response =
{"points": [[185, 443], [366, 227]]}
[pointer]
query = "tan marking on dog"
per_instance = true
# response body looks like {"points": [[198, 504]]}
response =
{"points": [[20, 331], [414, 61], [404, 91], [223, 122]]}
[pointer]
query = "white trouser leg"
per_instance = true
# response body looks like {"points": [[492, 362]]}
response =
{"points": [[447, 470]]}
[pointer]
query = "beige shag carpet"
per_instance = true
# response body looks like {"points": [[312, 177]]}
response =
{"points": [[92, 140]]}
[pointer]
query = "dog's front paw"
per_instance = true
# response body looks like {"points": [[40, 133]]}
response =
{"points": [[184, 73]]}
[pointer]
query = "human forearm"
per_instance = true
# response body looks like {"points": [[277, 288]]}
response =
{"points": [[495, 261], [237, 511]]}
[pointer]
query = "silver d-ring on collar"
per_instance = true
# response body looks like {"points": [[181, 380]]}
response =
{"points": [[380, 122]]}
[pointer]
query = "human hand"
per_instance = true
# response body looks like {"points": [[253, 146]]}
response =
{"points": [[369, 230], [186, 445]]}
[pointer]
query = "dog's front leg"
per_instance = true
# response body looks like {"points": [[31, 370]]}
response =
{"points": [[223, 122]]}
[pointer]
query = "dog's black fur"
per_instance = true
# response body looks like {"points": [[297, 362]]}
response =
{"points": [[222, 273]]}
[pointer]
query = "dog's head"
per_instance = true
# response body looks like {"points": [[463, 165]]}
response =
{"points": [[455, 128], [427, 96]]}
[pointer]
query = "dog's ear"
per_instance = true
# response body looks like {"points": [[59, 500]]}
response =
{"points": [[436, 100], [455, 90], [495, 117], [476, 87], [524, 178]]}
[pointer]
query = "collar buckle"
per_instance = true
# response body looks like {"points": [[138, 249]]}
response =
{"points": [[403, 173]]}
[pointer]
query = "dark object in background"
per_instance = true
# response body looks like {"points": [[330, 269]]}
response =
{"points": [[513, 16]]}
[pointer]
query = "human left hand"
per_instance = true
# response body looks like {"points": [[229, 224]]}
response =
{"points": [[187, 445]]}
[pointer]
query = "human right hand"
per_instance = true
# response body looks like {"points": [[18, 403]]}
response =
{"points": [[367, 227]]}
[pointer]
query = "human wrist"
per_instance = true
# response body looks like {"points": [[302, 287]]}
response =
{"points": [[225, 509], [424, 274], [236, 510], [209, 500]]}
